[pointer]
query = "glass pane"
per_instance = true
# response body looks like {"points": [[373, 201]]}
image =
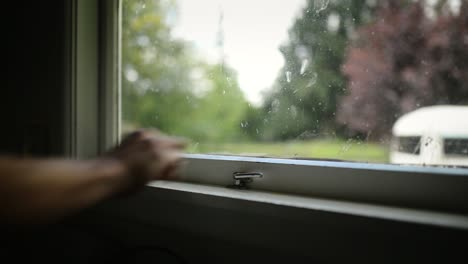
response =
{"points": [[300, 78], [456, 146], [409, 145]]}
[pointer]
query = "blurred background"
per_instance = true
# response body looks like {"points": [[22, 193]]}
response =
{"points": [[294, 79]]}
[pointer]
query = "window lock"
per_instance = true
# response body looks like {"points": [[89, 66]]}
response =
{"points": [[241, 179]]}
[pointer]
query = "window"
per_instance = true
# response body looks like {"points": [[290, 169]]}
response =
{"points": [[410, 145], [307, 93], [456, 146], [297, 79]]}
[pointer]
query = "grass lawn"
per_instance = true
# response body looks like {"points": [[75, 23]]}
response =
{"points": [[320, 149]]}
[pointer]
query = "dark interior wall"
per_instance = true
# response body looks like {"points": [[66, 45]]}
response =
{"points": [[168, 226], [31, 105]]}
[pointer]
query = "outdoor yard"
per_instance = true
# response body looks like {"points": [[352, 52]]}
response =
{"points": [[351, 150]]}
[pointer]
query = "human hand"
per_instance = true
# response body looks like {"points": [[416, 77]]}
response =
{"points": [[148, 155]]}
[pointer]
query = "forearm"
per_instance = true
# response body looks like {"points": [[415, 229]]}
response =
{"points": [[33, 191], [42, 190]]}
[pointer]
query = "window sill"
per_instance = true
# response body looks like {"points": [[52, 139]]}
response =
{"points": [[417, 216]]}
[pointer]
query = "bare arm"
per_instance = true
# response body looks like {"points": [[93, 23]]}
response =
{"points": [[34, 190]]}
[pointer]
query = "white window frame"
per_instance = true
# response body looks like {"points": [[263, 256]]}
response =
{"points": [[404, 186], [92, 114], [94, 126]]}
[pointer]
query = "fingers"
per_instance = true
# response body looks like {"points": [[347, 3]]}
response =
{"points": [[169, 163], [132, 137], [164, 141], [150, 138], [175, 173], [152, 152], [173, 142], [170, 171]]}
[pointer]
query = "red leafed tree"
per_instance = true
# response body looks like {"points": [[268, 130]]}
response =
{"points": [[402, 61]]}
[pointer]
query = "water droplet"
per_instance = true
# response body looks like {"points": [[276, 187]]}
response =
{"points": [[288, 76], [275, 105], [304, 65], [293, 111], [346, 146], [194, 147], [313, 80], [320, 5]]}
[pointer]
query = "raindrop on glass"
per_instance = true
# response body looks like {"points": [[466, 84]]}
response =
{"points": [[320, 5], [288, 76], [304, 65], [313, 80]]}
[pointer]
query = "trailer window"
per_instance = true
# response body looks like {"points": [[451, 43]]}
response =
{"points": [[409, 145], [456, 146]]}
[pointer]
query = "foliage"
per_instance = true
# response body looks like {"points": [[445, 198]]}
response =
{"points": [[156, 67], [402, 61], [220, 112], [167, 87], [303, 100]]}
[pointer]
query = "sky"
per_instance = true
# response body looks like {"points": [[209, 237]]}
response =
{"points": [[253, 31]]}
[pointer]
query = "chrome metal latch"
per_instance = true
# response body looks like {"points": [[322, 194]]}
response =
{"points": [[241, 179]]}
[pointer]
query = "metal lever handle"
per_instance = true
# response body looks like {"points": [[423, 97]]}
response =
{"points": [[242, 178]]}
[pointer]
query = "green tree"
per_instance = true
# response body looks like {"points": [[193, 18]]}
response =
{"points": [[156, 67], [303, 100], [160, 87], [221, 110]]}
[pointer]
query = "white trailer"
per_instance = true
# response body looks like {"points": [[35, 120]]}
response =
{"points": [[435, 135]]}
